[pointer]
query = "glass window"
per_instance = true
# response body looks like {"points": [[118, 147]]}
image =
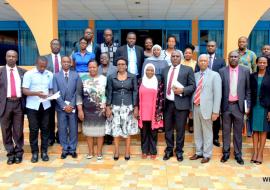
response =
{"points": [[257, 39], [28, 48], [8, 41], [209, 35], [68, 39]]}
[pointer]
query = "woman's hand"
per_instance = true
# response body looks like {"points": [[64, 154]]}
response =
{"points": [[81, 115], [136, 112], [108, 112]]}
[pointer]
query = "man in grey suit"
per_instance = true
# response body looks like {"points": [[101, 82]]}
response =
{"points": [[66, 83], [235, 91], [54, 65], [206, 105], [179, 85], [11, 108]]}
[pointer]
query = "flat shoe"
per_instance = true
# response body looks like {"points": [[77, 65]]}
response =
{"points": [[89, 156]]}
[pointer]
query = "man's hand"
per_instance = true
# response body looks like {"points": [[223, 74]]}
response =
{"points": [[214, 116], [42, 95], [177, 91], [68, 109]]}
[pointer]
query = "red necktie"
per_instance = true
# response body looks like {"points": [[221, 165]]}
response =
{"points": [[56, 64], [170, 82], [197, 96], [12, 84]]}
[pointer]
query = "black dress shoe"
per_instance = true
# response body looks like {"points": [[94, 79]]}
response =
{"points": [[179, 157], [115, 158], [34, 158], [63, 155], [216, 143], [195, 157], [74, 155], [10, 160], [44, 156], [224, 158], [239, 160], [167, 156], [18, 159], [127, 158]]}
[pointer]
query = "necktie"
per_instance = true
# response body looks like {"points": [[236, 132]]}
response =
{"points": [[197, 96], [12, 84], [210, 62], [66, 77], [56, 64], [233, 83], [170, 82]]}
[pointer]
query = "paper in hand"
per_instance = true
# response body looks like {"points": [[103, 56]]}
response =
{"points": [[178, 85], [52, 97]]}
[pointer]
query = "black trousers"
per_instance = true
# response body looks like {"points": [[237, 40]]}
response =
{"points": [[233, 117], [148, 139], [216, 128], [52, 134], [38, 120], [12, 128], [177, 118]]}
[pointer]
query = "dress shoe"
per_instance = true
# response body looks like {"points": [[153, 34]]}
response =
{"points": [[190, 129], [63, 155], [153, 156], [144, 156], [127, 157], [18, 159], [167, 156], [224, 158], [50, 142], [195, 157], [205, 160], [216, 143], [179, 157], [115, 157], [239, 160], [34, 158], [74, 155], [10, 160], [44, 156]]}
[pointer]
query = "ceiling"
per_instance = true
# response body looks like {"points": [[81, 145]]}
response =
{"points": [[130, 10]]}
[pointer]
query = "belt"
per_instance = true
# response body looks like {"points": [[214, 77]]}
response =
{"points": [[13, 99], [233, 102]]}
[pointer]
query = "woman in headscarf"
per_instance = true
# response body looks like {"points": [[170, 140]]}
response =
{"points": [[150, 111], [158, 62]]}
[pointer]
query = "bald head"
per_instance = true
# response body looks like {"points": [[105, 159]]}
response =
{"points": [[11, 58]]}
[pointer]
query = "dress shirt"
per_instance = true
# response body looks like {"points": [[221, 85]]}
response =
{"points": [[233, 98], [17, 82], [132, 60], [59, 61], [211, 60], [82, 61], [36, 81], [175, 76], [90, 48]]}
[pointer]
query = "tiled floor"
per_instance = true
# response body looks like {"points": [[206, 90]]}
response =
{"points": [[134, 174]]}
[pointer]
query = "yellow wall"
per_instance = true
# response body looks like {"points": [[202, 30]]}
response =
{"points": [[195, 33], [240, 16], [42, 18]]}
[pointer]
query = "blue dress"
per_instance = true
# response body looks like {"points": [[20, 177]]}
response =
{"points": [[259, 120]]}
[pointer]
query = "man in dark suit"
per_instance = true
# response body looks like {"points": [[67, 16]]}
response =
{"points": [[11, 108], [54, 65], [235, 91], [133, 53], [179, 83], [66, 82], [215, 64]]}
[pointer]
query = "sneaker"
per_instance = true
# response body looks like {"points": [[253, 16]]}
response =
{"points": [[99, 157], [89, 156]]}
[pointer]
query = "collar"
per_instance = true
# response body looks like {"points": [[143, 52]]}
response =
{"points": [[9, 68], [53, 55], [234, 69], [213, 55], [177, 67], [35, 70], [238, 50], [130, 47], [204, 72], [65, 72]]}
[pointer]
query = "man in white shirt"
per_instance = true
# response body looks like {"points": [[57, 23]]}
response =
{"points": [[11, 108]]}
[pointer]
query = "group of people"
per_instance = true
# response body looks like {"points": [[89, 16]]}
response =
{"points": [[123, 91]]}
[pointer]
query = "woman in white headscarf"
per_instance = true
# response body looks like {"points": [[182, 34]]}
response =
{"points": [[150, 110], [156, 60]]}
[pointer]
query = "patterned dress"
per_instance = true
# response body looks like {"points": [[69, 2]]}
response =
{"points": [[91, 95]]}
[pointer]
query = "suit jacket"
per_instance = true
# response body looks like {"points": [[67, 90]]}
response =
{"points": [[50, 65], [264, 96], [67, 89], [243, 87], [210, 97], [3, 88], [186, 78], [218, 63], [122, 51]]}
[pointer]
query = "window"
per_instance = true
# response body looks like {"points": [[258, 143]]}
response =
{"points": [[257, 39], [208, 35]]}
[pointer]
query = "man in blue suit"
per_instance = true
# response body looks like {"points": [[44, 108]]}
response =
{"points": [[215, 64], [66, 83]]}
